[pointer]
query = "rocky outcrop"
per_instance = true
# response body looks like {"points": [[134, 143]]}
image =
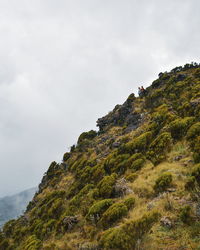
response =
{"points": [[121, 115]]}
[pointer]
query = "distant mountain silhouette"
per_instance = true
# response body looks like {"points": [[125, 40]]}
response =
{"points": [[13, 206]]}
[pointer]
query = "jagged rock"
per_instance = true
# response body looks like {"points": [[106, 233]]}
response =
{"points": [[180, 77], [188, 162], [166, 222], [116, 144], [122, 114], [178, 157], [69, 221], [171, 190]]}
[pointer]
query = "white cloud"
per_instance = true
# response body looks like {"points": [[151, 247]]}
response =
{"points": [[63, 64]]}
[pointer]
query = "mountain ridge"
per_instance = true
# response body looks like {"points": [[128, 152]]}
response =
{"points": [[134, 184]]}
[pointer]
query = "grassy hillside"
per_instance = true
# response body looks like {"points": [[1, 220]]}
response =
{"points": [[134, 184]]}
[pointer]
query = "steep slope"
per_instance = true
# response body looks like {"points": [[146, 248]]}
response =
{"points": [[13, 206], [135, 184]]}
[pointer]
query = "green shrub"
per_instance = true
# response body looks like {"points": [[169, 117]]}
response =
{"points": [[137, 164], [159, 147], [113, 214], [98, 208], [56, 209], [193, 131], [8, 228], [131, 177], [116, 211], [190, 183], [129, 202], [160, 118], [76, 200], [4, 244], [139, 143], [116, 163], [185, 214], [66, 156], [87, 135], [126, 236], [32, 243], [106, 186], [196, 149], [196, 173], [179, 127], [163, 182]]}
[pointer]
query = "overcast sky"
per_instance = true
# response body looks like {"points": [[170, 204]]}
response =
{"points": [[65, 63]]}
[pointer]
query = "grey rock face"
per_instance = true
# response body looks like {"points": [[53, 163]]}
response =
{"points": [[121, 115]]}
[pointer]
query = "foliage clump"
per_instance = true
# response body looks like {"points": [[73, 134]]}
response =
{"points": [[138, 144], [163, 182], [185, 214], [126, 236], [159, 147], [194, 131], [87, 136], [106, 186], [32, 243], [98, 208], [115, 212], [179, 127]]}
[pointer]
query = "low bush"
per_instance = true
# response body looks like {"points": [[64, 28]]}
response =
{"points": [[139, 144], [185, 214], [87, 135], [190, 183], [196, 173], [76, 200], [116, 211], [159, 147], [131, 177], [126, 236], [137, 164], [31, 243], [196, 149], [193, 131], [66, 156], [179, 127], [113, 214], [4, 244], [117, 163], [106, 186], [129, 202], [163, 182], [98, 208], [8, 228]]}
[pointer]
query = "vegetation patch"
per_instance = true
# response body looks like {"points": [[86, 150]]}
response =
{"points": [[163, 182]]}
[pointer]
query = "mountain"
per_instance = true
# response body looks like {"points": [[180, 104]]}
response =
{"points": [[13, 206], [134, 184]]}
